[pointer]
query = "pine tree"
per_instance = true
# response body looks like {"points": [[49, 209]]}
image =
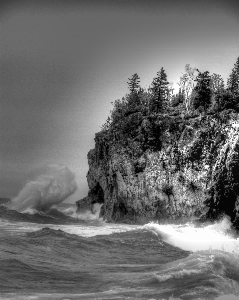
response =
{"points": [[233, 80], [159, 92], [135, 90], [133, 83], [203, 90]]}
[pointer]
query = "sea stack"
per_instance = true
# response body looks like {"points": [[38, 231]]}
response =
{"points": [[161, 156]]}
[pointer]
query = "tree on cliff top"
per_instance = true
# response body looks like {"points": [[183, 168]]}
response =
{"points": [[233, 80], [159, 92], [133, 83], [187, 83], [202, 91], [135, 89]]}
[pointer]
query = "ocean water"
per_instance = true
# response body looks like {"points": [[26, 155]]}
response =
{"points": [[60, 254]]}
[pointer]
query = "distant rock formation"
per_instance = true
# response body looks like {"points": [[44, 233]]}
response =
{"points": [[194, 174]]}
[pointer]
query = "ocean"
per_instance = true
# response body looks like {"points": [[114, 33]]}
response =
{"points": [[61, 254]]}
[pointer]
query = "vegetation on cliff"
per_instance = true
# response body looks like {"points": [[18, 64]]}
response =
{"points": [[149, 119]]}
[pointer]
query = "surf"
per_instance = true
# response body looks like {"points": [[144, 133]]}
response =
{"points": [[166, 261], [190, 237]]}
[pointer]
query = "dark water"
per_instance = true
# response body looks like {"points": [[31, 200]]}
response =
{"points": [[55, 256]]}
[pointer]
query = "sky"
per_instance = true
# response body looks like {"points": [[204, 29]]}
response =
{"points": [[63, 62]]}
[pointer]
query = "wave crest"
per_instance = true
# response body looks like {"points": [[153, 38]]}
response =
{"points": [[188, 237]]}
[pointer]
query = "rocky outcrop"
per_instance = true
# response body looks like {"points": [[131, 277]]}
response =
{"points": [[195, 173]]}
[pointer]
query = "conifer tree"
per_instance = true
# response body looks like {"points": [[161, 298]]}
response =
{"points": [[135, 89], [159, 92], [233, 80], [203, 90], [133, 83]]}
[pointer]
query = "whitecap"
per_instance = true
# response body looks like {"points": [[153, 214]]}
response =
{"points": [[188, 237]]}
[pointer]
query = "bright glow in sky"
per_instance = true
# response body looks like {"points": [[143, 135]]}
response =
{"points": [[64, 62]]}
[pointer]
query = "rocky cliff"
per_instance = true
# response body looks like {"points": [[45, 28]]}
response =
{"points": [[194, 172]]}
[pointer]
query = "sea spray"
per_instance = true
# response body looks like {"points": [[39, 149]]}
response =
{"points": [[217, 236], [92, 214], [53, 185]]}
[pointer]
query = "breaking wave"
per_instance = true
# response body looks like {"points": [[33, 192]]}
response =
{"points": [[53, 185], [217, 236]]}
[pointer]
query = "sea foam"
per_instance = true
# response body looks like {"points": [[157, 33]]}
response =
{"points": [[217, 236], [93, 214]]}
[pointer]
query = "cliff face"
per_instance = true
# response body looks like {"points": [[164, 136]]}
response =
{"points": [[195, 173]]}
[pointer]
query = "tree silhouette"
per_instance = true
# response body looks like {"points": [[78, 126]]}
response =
{"points": [[159, 92], [135, 89], [233, 80], [203, 90], [133, 83]]}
